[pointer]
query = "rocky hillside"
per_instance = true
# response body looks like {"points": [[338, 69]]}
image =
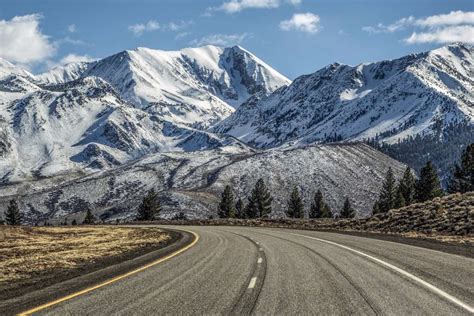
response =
{"points": [[388, 100], [194, 86], [450, 218], [90, 116], [449, 215], [82, 126], [192, 182], [416, 108]]}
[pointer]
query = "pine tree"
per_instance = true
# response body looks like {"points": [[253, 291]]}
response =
{"points": [[295, 205], [260, 201], [226, 206], [74, 222], [239, 209], [90, 218], [428, 185], [327, 213], [407, 186], [387, 193], [347, 210], [150, 207], [462, 179], [399, 199], [376, 208], [318, 208], [13, 215]]}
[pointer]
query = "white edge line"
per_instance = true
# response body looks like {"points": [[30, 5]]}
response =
{"points": [[401, 271], [252, 282]]}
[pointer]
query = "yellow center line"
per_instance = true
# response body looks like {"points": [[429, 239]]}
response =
{"points": [[118, 278]]}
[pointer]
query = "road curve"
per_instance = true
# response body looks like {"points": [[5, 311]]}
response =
{"points": [[243, 270]]}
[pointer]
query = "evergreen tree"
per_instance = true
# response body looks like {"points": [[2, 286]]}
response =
{"points": [[399, 199], [407, 186], [150, 207], [295, 205], [327, 213], [74, 222], [347, 210], [428, 186], [318, 208], [376, 208], [239, 209], [387, 193], [226, 206], [90, 218], [13, 215], [260, 201], [462, 179]]}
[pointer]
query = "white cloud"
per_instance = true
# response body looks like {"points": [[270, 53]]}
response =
{"points": [[72, 41], [397, 26], [304, 22], [22, 40], [139, 29], [449, 34], [73, 58], [71, 28], [153, 25], [234, 6], [452, 18], [178, 26], [220, 39], [456, 26], [182, 35]]}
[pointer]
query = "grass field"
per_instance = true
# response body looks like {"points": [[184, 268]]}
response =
{"points": [[40, 254]]}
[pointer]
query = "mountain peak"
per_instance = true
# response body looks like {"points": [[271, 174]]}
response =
{"points": [[7, 68], [392, 100]]}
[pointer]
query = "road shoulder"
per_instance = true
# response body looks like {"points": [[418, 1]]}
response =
{"points": [[107, 269]]}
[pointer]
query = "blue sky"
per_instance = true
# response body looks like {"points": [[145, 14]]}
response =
{"points": [[294, 36]]}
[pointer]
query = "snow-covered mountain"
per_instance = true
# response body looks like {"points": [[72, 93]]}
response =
{"points": [[63, 73], [194, 86], [7, 69], [97, 115], [392, 100], [82, 125], [193, 182]]}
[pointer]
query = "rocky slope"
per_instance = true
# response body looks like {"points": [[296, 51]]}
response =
{"points": [[419, 94], [82, 125], [192, 182], [85, 117], [194, 86]]}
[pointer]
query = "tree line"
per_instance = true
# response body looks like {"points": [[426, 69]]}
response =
{"points": [[393, 195], [427, 187], [259, 205]]}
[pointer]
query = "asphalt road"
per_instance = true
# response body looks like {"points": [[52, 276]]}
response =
{"points": [[240, 270]]}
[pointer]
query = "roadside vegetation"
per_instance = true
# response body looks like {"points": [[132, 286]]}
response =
{"points": [[44, 254], [408, 190]]}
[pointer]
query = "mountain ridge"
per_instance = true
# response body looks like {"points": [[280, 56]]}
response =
{"points": [[350, 100]]}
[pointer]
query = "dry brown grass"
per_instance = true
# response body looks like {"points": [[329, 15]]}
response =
{"points": [[33, 253]]}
